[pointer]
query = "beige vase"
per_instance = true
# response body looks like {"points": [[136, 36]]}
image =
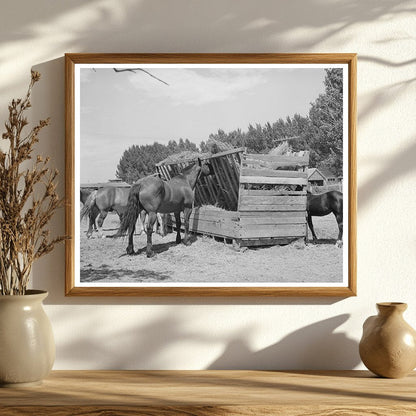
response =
{"points": [[388, 344], [27, 347]]}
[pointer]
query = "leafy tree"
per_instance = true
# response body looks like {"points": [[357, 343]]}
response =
{"points": [[138, 161], [320, 133], [327, 122]]}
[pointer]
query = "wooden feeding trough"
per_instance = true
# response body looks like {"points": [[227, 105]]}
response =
{"points": [[253, 199]]}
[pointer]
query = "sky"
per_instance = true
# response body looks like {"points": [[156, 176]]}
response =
{"points": [[119, 109]]}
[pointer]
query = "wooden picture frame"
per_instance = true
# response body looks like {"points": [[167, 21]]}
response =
{"points": [[244, 186]]}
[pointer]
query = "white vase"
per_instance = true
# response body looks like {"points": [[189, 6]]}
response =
{"points": [[27, 346]]}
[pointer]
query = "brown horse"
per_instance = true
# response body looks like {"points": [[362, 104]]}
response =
{"points": [[154, 195], [93, 213], [111, 198], [323, 204], [101, 202]]}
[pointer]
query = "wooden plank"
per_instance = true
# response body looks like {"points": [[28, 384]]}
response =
{"points": [[283, 230], [273, 173], [214, 230], [223, 184], [273, 200], [292, 207], [228, 174], [272, 214], [234, 173], [226, 226], [208, 194], [220, 228], [273, 181], [225, 153], [286, 159], [203, 191], [213, 392], [207, 157], [225, 223], [216, 213], [211, 187], [258, 242], [271, 165], [253, 221], [270, 192]]}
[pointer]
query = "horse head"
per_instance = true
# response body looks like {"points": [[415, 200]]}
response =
{"points": [[206, 168]]}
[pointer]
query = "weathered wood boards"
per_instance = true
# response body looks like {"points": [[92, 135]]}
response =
{"points": [[264, 197], [272, 199], [221, 188]]}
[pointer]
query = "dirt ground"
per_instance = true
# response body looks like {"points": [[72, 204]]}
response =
{"points": [[208, 260]]}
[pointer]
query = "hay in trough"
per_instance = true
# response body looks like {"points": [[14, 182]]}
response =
{"points": [[285, 149], [215, 146], [213, 207], [186, 156]]}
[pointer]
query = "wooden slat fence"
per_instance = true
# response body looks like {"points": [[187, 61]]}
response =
{"points": [[221, 188], [263, 196], [272, 197]]}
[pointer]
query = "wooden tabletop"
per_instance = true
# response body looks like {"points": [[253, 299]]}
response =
{"points": [[202, 393]]}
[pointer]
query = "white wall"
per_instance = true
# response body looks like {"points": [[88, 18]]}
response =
{"points": [[199, 333]]}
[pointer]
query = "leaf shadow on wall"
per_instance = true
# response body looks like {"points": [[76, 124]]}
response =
{"points": [[143, 346], [216, 26], [392, 170], [151, 345], [316, 346]]}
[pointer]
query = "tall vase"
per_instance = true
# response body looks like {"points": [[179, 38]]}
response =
{"points": [[388, 345], [27, 347]]}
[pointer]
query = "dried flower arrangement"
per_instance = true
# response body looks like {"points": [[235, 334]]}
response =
{"points": [[28, 199]]}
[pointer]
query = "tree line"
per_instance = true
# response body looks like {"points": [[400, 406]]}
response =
{"points": [[320, 132]]}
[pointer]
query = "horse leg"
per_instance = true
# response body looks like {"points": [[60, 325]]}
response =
{"points": [[156, 224], [94, 214], [100, 220], [91, 224], [187, 214], [130, 248], [311, 227], [162, 225], [151, 222], [340, 228], [142, 221], [178, 227]]}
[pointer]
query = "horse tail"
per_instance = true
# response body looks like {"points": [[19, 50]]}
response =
{"points": [[132, 211], [88, 205]]}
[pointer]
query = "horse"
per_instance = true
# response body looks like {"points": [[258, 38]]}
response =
{"points": [[154, 195], [84, 194], [323, 204], [102, 201], [109, 198]]}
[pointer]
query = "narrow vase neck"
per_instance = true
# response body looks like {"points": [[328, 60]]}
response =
{"points": [[391, 308]]}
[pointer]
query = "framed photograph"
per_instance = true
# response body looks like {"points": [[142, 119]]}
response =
{"points": [[211, 174]]}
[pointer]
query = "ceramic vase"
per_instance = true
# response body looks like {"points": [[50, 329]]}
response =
{"points": [[388, 345], [27, 347]]}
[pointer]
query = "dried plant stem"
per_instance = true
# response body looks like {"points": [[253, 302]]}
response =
{"points": [[23, 217]]}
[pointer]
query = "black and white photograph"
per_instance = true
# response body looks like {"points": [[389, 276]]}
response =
{"points": [[211, 175]]}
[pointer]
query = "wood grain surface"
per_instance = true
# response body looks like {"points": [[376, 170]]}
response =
{"points": [[203, 393]]}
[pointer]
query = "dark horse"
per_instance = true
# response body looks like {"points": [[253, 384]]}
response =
{"points": [[154, 195], [323, 204]]}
